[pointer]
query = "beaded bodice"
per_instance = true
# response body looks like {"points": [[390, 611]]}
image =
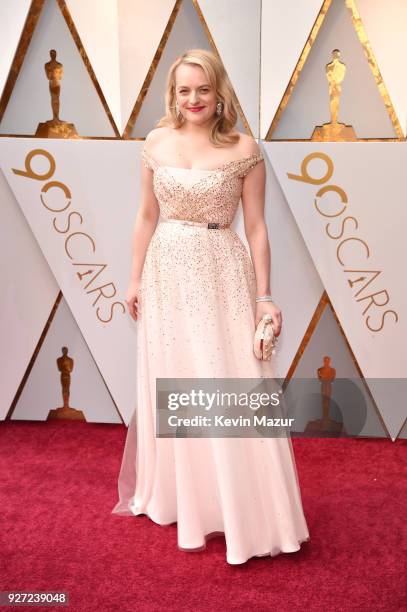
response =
{"points": [[206, 195]]}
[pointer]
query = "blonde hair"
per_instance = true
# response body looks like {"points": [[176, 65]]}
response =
{"points": [[220, 133]]}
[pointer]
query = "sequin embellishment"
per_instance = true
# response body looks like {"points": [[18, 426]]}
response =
{"points": [[195, 278]]}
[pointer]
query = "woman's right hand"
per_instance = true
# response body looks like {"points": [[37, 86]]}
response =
{"points": [[132, 299]]}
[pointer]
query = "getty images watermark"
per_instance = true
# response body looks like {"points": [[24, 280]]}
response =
{"points": [[198, 398], [271, 407], [214, 407]]}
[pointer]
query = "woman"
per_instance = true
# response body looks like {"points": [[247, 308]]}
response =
{"points": [[192, 293]]}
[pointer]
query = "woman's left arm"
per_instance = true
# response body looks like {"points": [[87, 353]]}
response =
{"points": [[253, 196]]}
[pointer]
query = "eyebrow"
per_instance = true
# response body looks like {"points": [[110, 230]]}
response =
{"points": [[186, 86]]}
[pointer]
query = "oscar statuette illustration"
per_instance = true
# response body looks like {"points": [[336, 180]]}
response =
{"points": [[326, 375], [335, 73], [65, 365], [55, 127]]}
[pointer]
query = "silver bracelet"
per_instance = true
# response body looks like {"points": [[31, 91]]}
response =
{"points": [[264, 298]]}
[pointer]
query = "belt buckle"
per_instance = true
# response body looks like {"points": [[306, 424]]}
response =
{"points": [[213, 225]]}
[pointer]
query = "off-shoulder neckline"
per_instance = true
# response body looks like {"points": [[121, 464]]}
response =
{"points": [[217, 169]]}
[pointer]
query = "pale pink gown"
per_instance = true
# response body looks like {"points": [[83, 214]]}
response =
{"points": [[197, 302]]}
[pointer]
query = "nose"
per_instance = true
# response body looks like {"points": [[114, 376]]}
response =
{"points": [[194, 98]]}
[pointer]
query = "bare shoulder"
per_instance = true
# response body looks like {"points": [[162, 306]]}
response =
{"points": [[247, 145], [155, 136]]}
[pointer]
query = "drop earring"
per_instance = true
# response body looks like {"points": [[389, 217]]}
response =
{"points": [[219, 108], [177, 111]]}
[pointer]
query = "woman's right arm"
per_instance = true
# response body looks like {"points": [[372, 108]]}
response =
{"points": [[144, 226]]}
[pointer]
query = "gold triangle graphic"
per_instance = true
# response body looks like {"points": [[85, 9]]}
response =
{"points": [[36, 352], [359, 371], [322, 304], [307, 336], [136, 110], [78, 42], [360, 31], [215, 50], [401, 428], [21, 52], [26, 35], [298, 68], [151, 71], [34, 356]]}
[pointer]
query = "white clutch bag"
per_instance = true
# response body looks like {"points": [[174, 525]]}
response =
{"points": [[264, 341]]}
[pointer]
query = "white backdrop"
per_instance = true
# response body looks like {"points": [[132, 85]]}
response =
{"points": [[114, 55]]}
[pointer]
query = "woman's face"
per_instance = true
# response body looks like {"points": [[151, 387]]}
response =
{"points": [[194, 94]]}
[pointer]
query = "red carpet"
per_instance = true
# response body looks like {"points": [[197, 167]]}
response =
{"points": [[58, 487]]}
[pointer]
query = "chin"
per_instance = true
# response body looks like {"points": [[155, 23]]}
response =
{"points": [[198, 117]]}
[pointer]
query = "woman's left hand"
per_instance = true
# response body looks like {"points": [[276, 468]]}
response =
{"points": [[263, 308]]}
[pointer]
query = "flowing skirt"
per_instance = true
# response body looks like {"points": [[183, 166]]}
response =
{"points": [[197, 303]]}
